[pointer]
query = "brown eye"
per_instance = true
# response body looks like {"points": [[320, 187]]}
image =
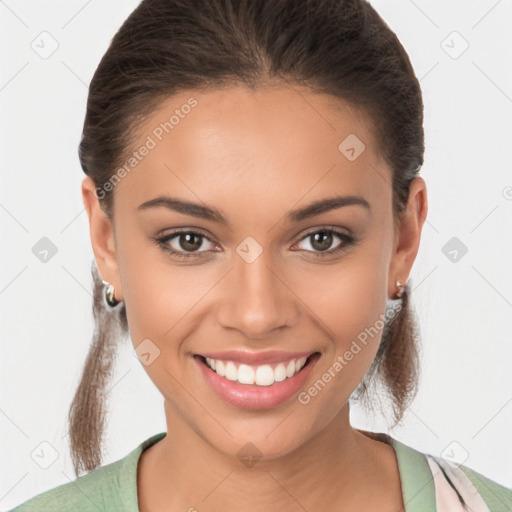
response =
{"points": [[321, 240], [185, 244], [189, 241]]}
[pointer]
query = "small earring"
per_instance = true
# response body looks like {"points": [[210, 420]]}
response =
{"points": [[109, 295], [399, 290]]}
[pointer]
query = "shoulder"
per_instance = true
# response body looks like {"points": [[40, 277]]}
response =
{"points": [[495, 495], [81, 495], [472, 488], [85, 493], [110, 487], [452, 484]]}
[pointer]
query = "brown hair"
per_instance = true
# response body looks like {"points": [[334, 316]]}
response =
{"points": [[337, 47]]}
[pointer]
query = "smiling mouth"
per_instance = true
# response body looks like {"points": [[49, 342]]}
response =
{"points": [[258, 375]]}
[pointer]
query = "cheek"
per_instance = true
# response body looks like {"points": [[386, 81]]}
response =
{"points": [[161, 298], [165, 301], [347, 298], [164, 305], [349, 301]]}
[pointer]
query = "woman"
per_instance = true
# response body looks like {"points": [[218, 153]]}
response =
{"points": [[255, 211]]}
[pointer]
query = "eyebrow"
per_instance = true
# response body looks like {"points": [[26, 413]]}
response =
{"points": [[209, 213]]}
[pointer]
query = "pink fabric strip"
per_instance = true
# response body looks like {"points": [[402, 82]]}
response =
{"points": [[446, 497]]}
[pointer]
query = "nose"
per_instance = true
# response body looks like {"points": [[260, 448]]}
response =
{"points": [[256, 299]]}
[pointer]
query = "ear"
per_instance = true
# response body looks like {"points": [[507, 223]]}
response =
{"points": [[408, 234], [102, 237]]}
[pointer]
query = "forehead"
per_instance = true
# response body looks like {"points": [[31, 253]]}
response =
{"points": [[265, 146]]}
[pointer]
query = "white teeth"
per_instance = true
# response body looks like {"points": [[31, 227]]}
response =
{"points": [[231, 371], [245, 374], [219, 368], [300, 363], [263, 375], [290, 369], [280, 372]]}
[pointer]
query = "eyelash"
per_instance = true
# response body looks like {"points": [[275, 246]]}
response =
{"points": [[348, 240]]}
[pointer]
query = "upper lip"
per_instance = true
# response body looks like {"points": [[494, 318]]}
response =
{"points": [[256, 358]]}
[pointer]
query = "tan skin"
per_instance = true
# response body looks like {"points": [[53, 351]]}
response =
{"points": [[256, 156]]}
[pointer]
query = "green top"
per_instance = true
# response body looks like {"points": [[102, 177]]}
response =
{"points": [[429, 484]]}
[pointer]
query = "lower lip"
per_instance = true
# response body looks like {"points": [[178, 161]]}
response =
{"points": [[251, 396]]}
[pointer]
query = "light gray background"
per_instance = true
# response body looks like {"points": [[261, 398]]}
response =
{"points": [[464, 408]]}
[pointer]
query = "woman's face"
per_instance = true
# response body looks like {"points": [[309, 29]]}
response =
{"points": [[267, 277]]}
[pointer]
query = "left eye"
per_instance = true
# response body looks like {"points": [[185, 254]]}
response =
{"points": [[321, 241]]}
